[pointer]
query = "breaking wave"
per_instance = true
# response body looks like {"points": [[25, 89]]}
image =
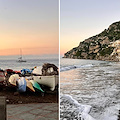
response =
{"points": [[66, 68], [95, 88], [71, 109]]}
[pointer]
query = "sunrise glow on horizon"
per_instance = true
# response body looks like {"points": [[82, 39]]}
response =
{"points": [[29, 25]]}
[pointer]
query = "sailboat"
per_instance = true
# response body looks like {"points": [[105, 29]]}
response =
{"points": [[20, 58]]}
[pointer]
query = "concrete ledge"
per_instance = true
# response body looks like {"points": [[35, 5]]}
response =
{"points": [[2, 108]]}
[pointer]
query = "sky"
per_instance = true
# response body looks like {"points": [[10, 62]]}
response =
{"points": [[81, 19], [30, 25]]}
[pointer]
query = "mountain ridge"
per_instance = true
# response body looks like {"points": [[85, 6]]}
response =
{"points": [[103, 46]]}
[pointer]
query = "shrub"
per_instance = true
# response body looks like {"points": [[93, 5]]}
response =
{"points": [[106, 51]]}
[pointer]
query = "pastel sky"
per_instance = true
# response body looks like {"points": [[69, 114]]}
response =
{"points": [[81, 19], [32, 25]]}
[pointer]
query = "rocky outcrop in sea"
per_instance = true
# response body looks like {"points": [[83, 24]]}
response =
{"points": [[104, 46]]}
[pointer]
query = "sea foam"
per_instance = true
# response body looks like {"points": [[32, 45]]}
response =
{"points": [[71, 109]]}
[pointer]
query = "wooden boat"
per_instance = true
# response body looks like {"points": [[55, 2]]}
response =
{"points": [[37, 70], [50, 81], [36, 85], [22, 84], [13, 79], [2, 76], [30, 86]]}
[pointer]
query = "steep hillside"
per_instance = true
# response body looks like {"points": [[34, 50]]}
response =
{"points": [[104, 46]]}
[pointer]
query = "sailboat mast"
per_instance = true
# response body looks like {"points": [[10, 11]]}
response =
{"points": [[20, 58], [21, 53]]}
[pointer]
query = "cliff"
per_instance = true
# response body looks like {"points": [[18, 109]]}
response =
{"points": [[104, 46]]}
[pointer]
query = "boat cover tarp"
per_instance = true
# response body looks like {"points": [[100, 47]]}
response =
{"points": [[25, 71], [49, 69], [37, 70], [10, 71], [13, 79], [22, 84]]}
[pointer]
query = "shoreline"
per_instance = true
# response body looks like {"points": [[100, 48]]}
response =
{"points": [[95, 74], [91, 59]]}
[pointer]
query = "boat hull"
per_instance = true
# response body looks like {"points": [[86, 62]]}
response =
{"points": [[50, 81], [2, 76], [21, 61], [22, 84], [36, 85], [13, 78]]}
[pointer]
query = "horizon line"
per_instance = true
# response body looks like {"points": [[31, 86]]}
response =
{"points": [[31, 54]]}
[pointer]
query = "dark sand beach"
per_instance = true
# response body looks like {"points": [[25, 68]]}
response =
{"points": [[12, 97]]}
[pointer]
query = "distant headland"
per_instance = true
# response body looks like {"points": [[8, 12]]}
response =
{"points": [[104, 46]]}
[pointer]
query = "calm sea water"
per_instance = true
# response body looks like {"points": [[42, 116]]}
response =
{"points": [[9, 62], [90, 90]]}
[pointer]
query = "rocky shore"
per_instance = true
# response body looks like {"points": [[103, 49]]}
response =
{"points": [[119, 115], [104, 46]]}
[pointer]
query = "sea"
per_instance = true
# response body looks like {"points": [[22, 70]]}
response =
{"points": [[89, 89], [10, 62]]}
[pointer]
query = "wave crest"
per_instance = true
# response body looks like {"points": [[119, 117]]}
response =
{"points": [[74, 67]]}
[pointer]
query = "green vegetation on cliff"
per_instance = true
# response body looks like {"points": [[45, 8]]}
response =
{"points": [[97, 46], [106, 51]]}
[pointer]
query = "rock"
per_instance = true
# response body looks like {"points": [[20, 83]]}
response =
{"points": [[104, 46], [16, 93], [19, 102], [7, 100]]}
